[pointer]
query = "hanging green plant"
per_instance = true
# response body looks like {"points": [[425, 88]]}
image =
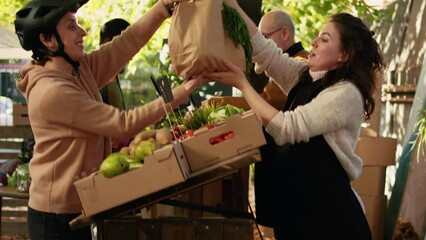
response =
{"points": [[421, 134], [237, 30]]}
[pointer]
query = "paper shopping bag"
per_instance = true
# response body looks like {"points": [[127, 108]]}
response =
{"points": [[198, 40]]}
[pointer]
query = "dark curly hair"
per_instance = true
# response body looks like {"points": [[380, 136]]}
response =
{"points": [[365, 60], [40, 52]]}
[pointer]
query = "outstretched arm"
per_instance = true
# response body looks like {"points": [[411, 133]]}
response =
{"points": [[235, 77], [148, 24]]}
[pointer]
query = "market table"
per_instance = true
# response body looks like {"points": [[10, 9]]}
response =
{"points": [[10, 146], [11, 192], [196, 179]]}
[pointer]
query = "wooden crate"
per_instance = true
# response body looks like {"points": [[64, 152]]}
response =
{"points": [[229, 193], [125, 228], [20, 115], [178, 229]]}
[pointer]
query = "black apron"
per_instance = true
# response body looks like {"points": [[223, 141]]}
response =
{"points": [[316, 200]]}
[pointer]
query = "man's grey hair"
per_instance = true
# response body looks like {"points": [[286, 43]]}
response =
{"points": [[282, 19]]}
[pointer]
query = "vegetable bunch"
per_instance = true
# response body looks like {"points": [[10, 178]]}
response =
{"points": [[237, 30]]}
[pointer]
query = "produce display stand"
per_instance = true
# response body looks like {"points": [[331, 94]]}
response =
{"points": [[10, 192], [163, 196], [10, 146]]}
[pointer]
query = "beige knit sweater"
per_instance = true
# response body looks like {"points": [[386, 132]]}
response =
{"points": [[336, 113]]}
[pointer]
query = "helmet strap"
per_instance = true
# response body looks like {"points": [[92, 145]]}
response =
{"points": [[61, 52]]}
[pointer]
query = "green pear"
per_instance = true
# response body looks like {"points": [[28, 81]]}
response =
{"points": [[134, 165], [131, 159], [145, 148], [115, 164]]}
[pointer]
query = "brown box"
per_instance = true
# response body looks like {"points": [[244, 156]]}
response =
{"points": [[171, 164], [375, 212], [371, 182], [376, 151], [20, 115], [166, 167], [201, 152]]}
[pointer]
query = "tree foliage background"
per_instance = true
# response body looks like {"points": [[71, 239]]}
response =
{"points": [[309, 17]]}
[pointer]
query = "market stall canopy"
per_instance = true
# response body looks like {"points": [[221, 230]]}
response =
{"points": [[10, 47]]}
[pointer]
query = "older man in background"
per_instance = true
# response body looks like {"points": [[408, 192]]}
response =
{"points": [[278, 26]]}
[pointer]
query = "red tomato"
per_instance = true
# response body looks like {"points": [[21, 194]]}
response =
{"points": [[216, 140], [229, 135], [176, 132], [188, 133]]}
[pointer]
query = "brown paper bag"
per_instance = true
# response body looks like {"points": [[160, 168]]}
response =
{"points": [[198, 41]]}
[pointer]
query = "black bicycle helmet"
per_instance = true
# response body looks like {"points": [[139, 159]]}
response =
{"points": [[39, 16]]}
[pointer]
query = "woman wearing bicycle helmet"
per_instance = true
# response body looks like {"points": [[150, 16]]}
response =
{"points": [[71, 125]]}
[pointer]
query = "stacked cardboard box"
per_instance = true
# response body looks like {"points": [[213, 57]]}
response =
{"points": [[377, 153], [244, 131]]}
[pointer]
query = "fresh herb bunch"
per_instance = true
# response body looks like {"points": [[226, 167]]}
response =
{"points": [[238, 32], [199, 117]]}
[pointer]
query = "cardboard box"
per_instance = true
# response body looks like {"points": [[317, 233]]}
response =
{"points": [[376, 151], [375, 212], [166, 167], [20, 115], [201, 151], [371, 182]]}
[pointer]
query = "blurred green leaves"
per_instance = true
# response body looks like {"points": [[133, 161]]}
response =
{"points": [[309, 17]]}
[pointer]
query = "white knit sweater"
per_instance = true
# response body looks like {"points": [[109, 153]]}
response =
{"points": [[336, 113]]}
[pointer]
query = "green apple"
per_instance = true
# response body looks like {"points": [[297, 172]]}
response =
{"points": [[115, 164]]}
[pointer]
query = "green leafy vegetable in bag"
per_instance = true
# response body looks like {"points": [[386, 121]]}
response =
{"points": [[224, 112], [238, 32]]}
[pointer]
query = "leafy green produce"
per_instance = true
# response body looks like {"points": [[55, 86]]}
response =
{"points": [[8, 168], [237, 30], [12, 179], [224, 112], [23, 177], [205, 115], [199, 117]]}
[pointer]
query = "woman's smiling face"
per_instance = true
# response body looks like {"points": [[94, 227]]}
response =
{"points": [[326, 51], [71, 35]]}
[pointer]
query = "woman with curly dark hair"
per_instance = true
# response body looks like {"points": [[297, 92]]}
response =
{"points": [[311, 142]]}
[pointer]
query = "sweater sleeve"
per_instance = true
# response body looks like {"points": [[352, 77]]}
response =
{"points": [[112, 57], [328, 112], [278, 66], [82, 116]]}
